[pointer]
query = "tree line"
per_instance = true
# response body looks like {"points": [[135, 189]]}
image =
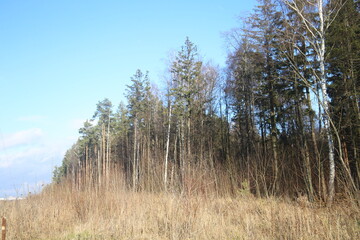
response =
{"points": [[282, 118]]}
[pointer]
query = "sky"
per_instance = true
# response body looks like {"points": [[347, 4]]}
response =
{"points": [[59, 58]]}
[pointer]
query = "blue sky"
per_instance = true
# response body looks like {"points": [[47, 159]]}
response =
{"points": [[59, 58]]}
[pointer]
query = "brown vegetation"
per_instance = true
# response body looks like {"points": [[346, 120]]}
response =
{"points": [[61, 212], [184, 163]]}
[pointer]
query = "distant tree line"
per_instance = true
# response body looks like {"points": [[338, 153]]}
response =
{"points": [[281, 119]]}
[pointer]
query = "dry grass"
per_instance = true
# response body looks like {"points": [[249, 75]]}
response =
{"points": [[60, 213]]}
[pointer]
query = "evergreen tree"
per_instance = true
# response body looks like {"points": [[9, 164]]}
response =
{"points": [[138, 109], [265, 24], [343, 46], [185, 77]]}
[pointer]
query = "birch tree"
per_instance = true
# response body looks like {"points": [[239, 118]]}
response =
{"points": [[316, 28]]}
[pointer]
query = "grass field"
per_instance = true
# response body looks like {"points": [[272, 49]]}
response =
{"points": [[61, 213]]}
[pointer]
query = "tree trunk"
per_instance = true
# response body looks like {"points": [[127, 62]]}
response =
{"points": [[167, 149], [325, 100], [135, 167], [274, 139]]}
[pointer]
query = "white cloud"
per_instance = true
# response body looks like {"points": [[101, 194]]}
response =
{"points": [[23, 147], [20, 138], [30, 155], [22, 168], [15, 156], [4, 163], [34, 156]]}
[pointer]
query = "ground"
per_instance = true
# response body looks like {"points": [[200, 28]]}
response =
{"points": [[63, 213]]}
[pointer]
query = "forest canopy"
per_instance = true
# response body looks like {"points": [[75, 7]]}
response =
{"points": [[282, 118]]}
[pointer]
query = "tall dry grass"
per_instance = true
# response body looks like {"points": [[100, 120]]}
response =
{"points": [[60, 212]]}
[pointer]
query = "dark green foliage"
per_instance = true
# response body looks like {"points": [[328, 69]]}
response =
{"points": [[138, 94], [257, 126], [185, 75], [103, 112], [344, 81]]}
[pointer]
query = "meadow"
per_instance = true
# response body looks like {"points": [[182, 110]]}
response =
{"points": [[61, 212]]}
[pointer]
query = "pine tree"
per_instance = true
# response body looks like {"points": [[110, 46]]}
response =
{"points": [[265, 24], [185, 72], [137, 95], [343, 46]]}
